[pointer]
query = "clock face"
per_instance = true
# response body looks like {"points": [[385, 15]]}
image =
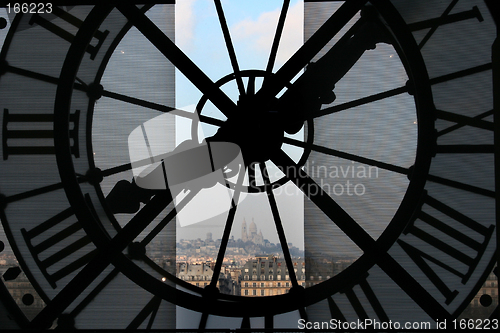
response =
{"points": [[369, 145]]}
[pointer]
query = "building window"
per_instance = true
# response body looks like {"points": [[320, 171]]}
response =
{"points": [[254, 284], [279, 284], [246, 284], [246, 292], [262, 292], [270, 277], [254, 292], [287, 284], [254, 277], [262, 284]]}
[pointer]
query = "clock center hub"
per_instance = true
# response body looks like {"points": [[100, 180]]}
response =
{"points": [[255, 129]]}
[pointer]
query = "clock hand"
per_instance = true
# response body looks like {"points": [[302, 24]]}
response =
{"points": [[315, 86], [274, 84], [187, 164]]}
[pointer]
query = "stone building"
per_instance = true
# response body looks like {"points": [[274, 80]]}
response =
{"points": [[268, 275], [200, 275]]}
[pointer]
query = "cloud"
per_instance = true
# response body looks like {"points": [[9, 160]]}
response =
{"points": [[184, 23], [259, 33]]}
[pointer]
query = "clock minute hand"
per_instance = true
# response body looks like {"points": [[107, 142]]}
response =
{"points": [[315, 86]]}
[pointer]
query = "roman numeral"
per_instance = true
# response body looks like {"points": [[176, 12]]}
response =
{"points": [[359, 306], [462, 186], [37, 127], [50, 234], [455, 225], [445, 18], [68, 36], [465, 149], [462, 121]]}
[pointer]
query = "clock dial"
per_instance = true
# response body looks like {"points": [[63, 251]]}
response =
{"points": [[379, 126], [239, 120]]}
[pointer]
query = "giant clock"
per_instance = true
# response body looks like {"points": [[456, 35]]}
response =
{"points": [[398, 88]]}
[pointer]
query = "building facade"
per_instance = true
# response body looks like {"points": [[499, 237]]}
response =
{"points": [[268, 275], [200, 275]]}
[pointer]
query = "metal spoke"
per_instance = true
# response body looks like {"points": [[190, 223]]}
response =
{"points": [[251, 86], [227, 228], [277, 36], [88, 299], [358, 102], [161, 108], [347, 156], [150, 309], [137, 101], [324, 202], [116, 169], [180, 60], [169, 217], [230, 47], [279, 225]]}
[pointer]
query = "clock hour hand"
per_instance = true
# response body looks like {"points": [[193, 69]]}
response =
{"points": [[315, 87], [126, 197]]}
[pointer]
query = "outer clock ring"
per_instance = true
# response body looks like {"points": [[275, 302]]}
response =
{"points": [[285, 302]]}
